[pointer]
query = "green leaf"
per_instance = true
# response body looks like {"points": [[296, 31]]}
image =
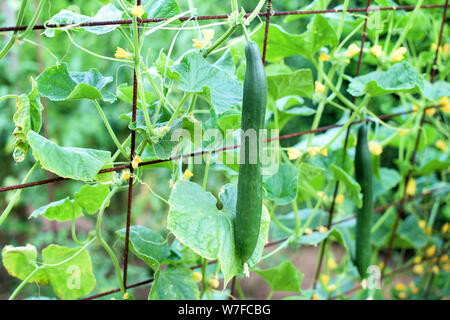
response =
{"points": [[299, 82], [282, 44], [162, 8], [58, 84], [215, 85], [125, 93], [174, 283], [21, 261], [27, 117], [62, 210], [401, 77], [389, 178], [282, 186], [108, 13], [68, 162], [284, 277], [91, 197], [69, 271], [411, 234], [350, 184], [433, 165], [436, 90], [229, 120], [197, 223], [147, 244]]}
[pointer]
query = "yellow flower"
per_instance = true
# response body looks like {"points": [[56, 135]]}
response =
{"points": [[418, 269], [122, 53], [125, 175], [208, 34], [322, 195], [171, 184], [403, 132], [381, 265], [445, 103], [400, 286], [446, 49], [113, 299], [308, 231], [376, 50], [138, 11], [411, 187], [402, 295], [325, 278], [324, 152], [422, 224], [331, 263], [135, 162], [322, 229], [332, 287], [319, 88], [446, 267], [197, 276], [436, 270], [445, 227], [126, 295], [431, 251], [375, 148], [339, 198], [315, 296], [398, 55], [415, 108], [214, 282], [293, 153], [353, 50], [440, 144], [443, 259], [198, 43], [187, 174], [430, 111], [417, 260], [324, 57], [313, 151]]}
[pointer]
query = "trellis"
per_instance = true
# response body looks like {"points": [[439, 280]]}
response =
{"points": [[268, 14]]}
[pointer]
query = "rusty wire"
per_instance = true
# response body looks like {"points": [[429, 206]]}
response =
{"points": [[269, 12]]}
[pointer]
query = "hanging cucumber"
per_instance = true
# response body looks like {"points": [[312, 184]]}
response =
{"points": [[363, 169], [249, 197]]}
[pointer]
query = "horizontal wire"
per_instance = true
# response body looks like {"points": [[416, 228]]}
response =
{"points": [[212, 17], [269, 244], [203, 152]]}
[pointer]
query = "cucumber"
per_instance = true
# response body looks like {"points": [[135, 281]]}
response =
{"points": [[249, 196], [363, 170]]}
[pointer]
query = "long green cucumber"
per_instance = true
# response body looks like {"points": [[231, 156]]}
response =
{"points": [[249, 197], [363, 169]]}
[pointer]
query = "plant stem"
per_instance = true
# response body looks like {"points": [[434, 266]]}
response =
{"points": [[11, 41], [219, 41], [33, 21], [98, 234], [256, 11], [8, 96], [16, 196], [110, 130], [177, 110], [23, 283]]}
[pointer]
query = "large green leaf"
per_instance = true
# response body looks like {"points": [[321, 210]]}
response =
{"points": [[214, 84], [284, 277], [21, 261], [62, 210], [401, 77], [433, 165], [351, 185], [436, 90], [69, 271], [108, 12], [411, 234], [281, 187], [27, 117], [174, 283], [197, 223], [147, 244], [298, 83], [161, 8], [282, 44], [91, 197], [73, 163], [58, 84]]}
